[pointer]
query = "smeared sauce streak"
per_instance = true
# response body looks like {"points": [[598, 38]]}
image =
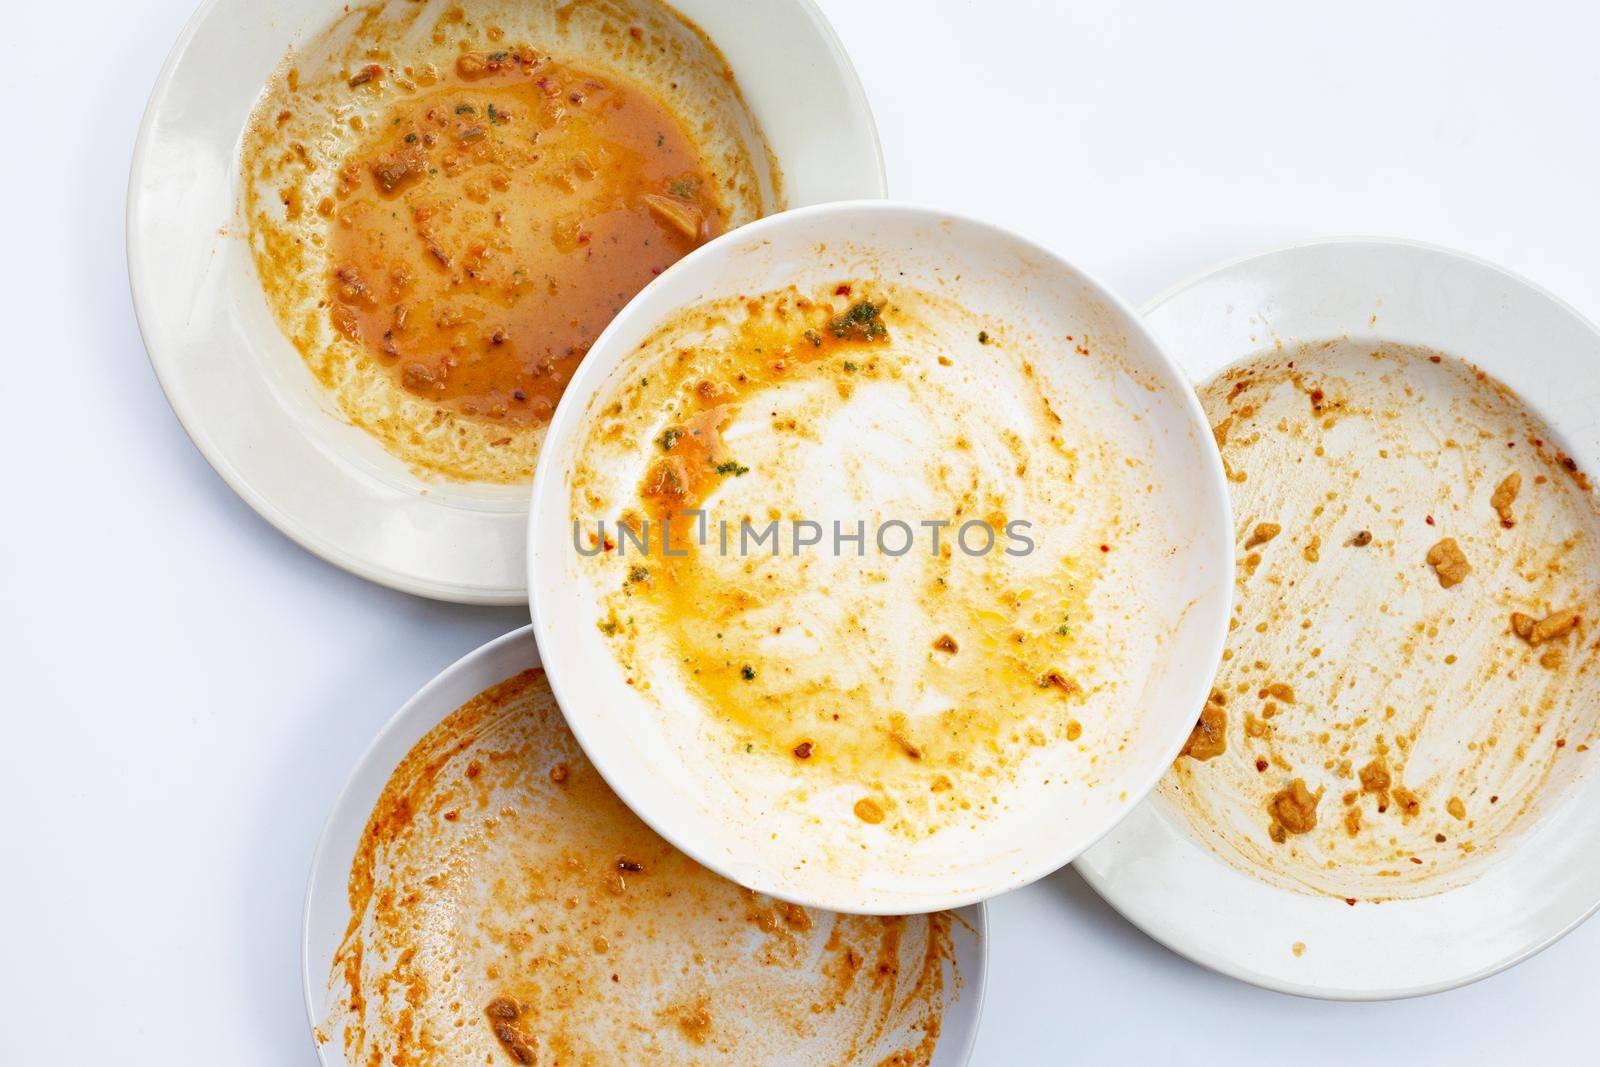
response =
{"points": [[1388, 655], [506, 907], [1009, 684]]}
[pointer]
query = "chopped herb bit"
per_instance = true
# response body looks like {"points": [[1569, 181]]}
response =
{"points": [[815, 338], [466, 109], [983, 337], [499, 57], [496, 116], [850, 368], [731, 467], [863, 322], [411, 138], [638, 574], [747, 672], [609, 627], [668, 438]]}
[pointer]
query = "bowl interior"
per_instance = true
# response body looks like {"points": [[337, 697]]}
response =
{"points": [[648, 752]]}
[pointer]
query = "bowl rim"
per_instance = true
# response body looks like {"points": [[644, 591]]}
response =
{"points": [[546, 476]]}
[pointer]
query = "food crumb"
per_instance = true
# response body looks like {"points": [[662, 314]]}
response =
{"points": [[1298, 948], [1264, 532], [1293, 809], [868, 811], [1448, 562], [1209, 738], [1555, 625], [1456, 809], [1504, 494]]}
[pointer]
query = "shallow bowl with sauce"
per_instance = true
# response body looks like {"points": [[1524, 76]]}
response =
{"points": [[1017, 803], [238, 385]]}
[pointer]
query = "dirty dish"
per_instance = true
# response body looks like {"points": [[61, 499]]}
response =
{"points": [[1390, 790], [883, 558], [341, 317], [480, 895]]}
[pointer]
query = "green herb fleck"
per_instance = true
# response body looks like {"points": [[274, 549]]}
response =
{"points": [[411, 138], [815, 338], [496, 116], [747, 672], [684, 188], [668, 438], [466, 109], [638, 574], [862, 322], [983, 337], [732, 467], [850, 368]]}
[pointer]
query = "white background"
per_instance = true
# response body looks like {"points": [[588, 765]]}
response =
{"points": [[182, 690]]}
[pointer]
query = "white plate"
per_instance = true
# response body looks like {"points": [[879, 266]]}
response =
{"points": [[243, 393], [1172, 886], [817, 853], [327, 907]]}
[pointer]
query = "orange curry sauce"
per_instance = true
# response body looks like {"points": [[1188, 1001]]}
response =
{"points": [[492, 226]]}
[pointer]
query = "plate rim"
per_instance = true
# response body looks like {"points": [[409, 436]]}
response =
{"points": [[1104, 884]]}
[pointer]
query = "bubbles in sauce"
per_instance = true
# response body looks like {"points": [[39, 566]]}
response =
{"points": [[492, 225]]}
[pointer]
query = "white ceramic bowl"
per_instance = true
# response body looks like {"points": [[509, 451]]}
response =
{"points": [[327, 906], [652, 759], [1150, 868], [242, 391]]}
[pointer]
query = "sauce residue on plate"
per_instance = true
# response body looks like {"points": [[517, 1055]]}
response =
{"points": [[446, 205], [1412, 674], [506, 907], [485, 233], [901, 688]]}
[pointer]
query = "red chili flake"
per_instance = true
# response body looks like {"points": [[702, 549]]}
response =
{"points": [[1429, 520], [1435, 359], [1105, 548], [1494, 800], [1261, 766], [1561, 742], [843, 290], [1415, 860], [1350, 901]]}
